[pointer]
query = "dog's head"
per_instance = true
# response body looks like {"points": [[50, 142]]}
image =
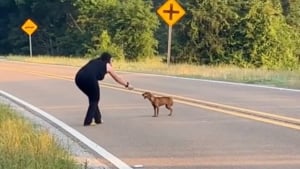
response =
{"points": [[147, 95]]}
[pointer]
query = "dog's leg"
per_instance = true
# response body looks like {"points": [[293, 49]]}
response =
{"points": [[157, 111], [169, 108], [154, 108]]}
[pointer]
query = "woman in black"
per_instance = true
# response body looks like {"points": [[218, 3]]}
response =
{"points": [[87, 81]]}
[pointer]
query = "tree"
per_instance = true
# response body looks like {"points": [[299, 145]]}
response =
{"points": [[56, 34], [203, 33], [291, 10], [104, 44], [134, 29], [262, 38], [131, 24], [245, 33]]}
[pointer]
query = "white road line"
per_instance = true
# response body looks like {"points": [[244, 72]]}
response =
{"points": [[98, 149], [215, 81]]}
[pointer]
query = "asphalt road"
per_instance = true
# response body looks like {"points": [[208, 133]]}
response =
{"points": [[193, 138]]}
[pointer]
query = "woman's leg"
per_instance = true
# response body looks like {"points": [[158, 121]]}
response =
{"points": [[97, 115], [93, 94], [91, 89], [90, 113]]}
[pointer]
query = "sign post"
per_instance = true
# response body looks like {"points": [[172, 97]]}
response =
{"points": [[29, 27], [170, 12]]}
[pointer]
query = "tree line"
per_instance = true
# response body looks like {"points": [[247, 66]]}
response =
{"points": [[252, 33]]}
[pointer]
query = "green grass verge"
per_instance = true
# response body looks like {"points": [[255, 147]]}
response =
{"points": [[23, 146], [231, 73]]}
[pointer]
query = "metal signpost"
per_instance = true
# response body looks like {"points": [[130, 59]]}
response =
{"points": [[29, 27], [170, 12]]}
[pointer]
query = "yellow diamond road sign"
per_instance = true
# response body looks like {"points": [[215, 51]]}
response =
{"points": [[29, 27], [171, 12]]}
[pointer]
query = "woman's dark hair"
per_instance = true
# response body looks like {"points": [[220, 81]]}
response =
{"points": [[105, 57]]}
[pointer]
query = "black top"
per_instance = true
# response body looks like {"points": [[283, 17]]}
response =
{"points": [[95, 69]]}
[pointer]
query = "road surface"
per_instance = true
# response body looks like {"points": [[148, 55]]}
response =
{"points": [[193, 138]]}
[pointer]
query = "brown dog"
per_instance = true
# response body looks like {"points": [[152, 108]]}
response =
{"points": [[159, 101]]}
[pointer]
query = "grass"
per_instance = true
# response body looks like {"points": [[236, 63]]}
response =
{"points": [[231, 73], [23, 146]]}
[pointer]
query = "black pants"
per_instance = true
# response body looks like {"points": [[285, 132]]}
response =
{"points": [[90, 87]]}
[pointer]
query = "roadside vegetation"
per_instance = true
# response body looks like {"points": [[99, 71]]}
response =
{"points": [[231, 73], [250, 41], [24, 146], [248, 34]]}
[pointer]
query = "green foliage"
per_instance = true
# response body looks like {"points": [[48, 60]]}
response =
{"points": [[104, 44], [245, 33], [205, 31], [292, 8], [131, 25], [95, 15], [135, 25], [262, 38], [26, 147], [253, 33], [56, 33]]}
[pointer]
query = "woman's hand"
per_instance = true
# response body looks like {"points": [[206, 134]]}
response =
{"points": [[129, 86]]}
